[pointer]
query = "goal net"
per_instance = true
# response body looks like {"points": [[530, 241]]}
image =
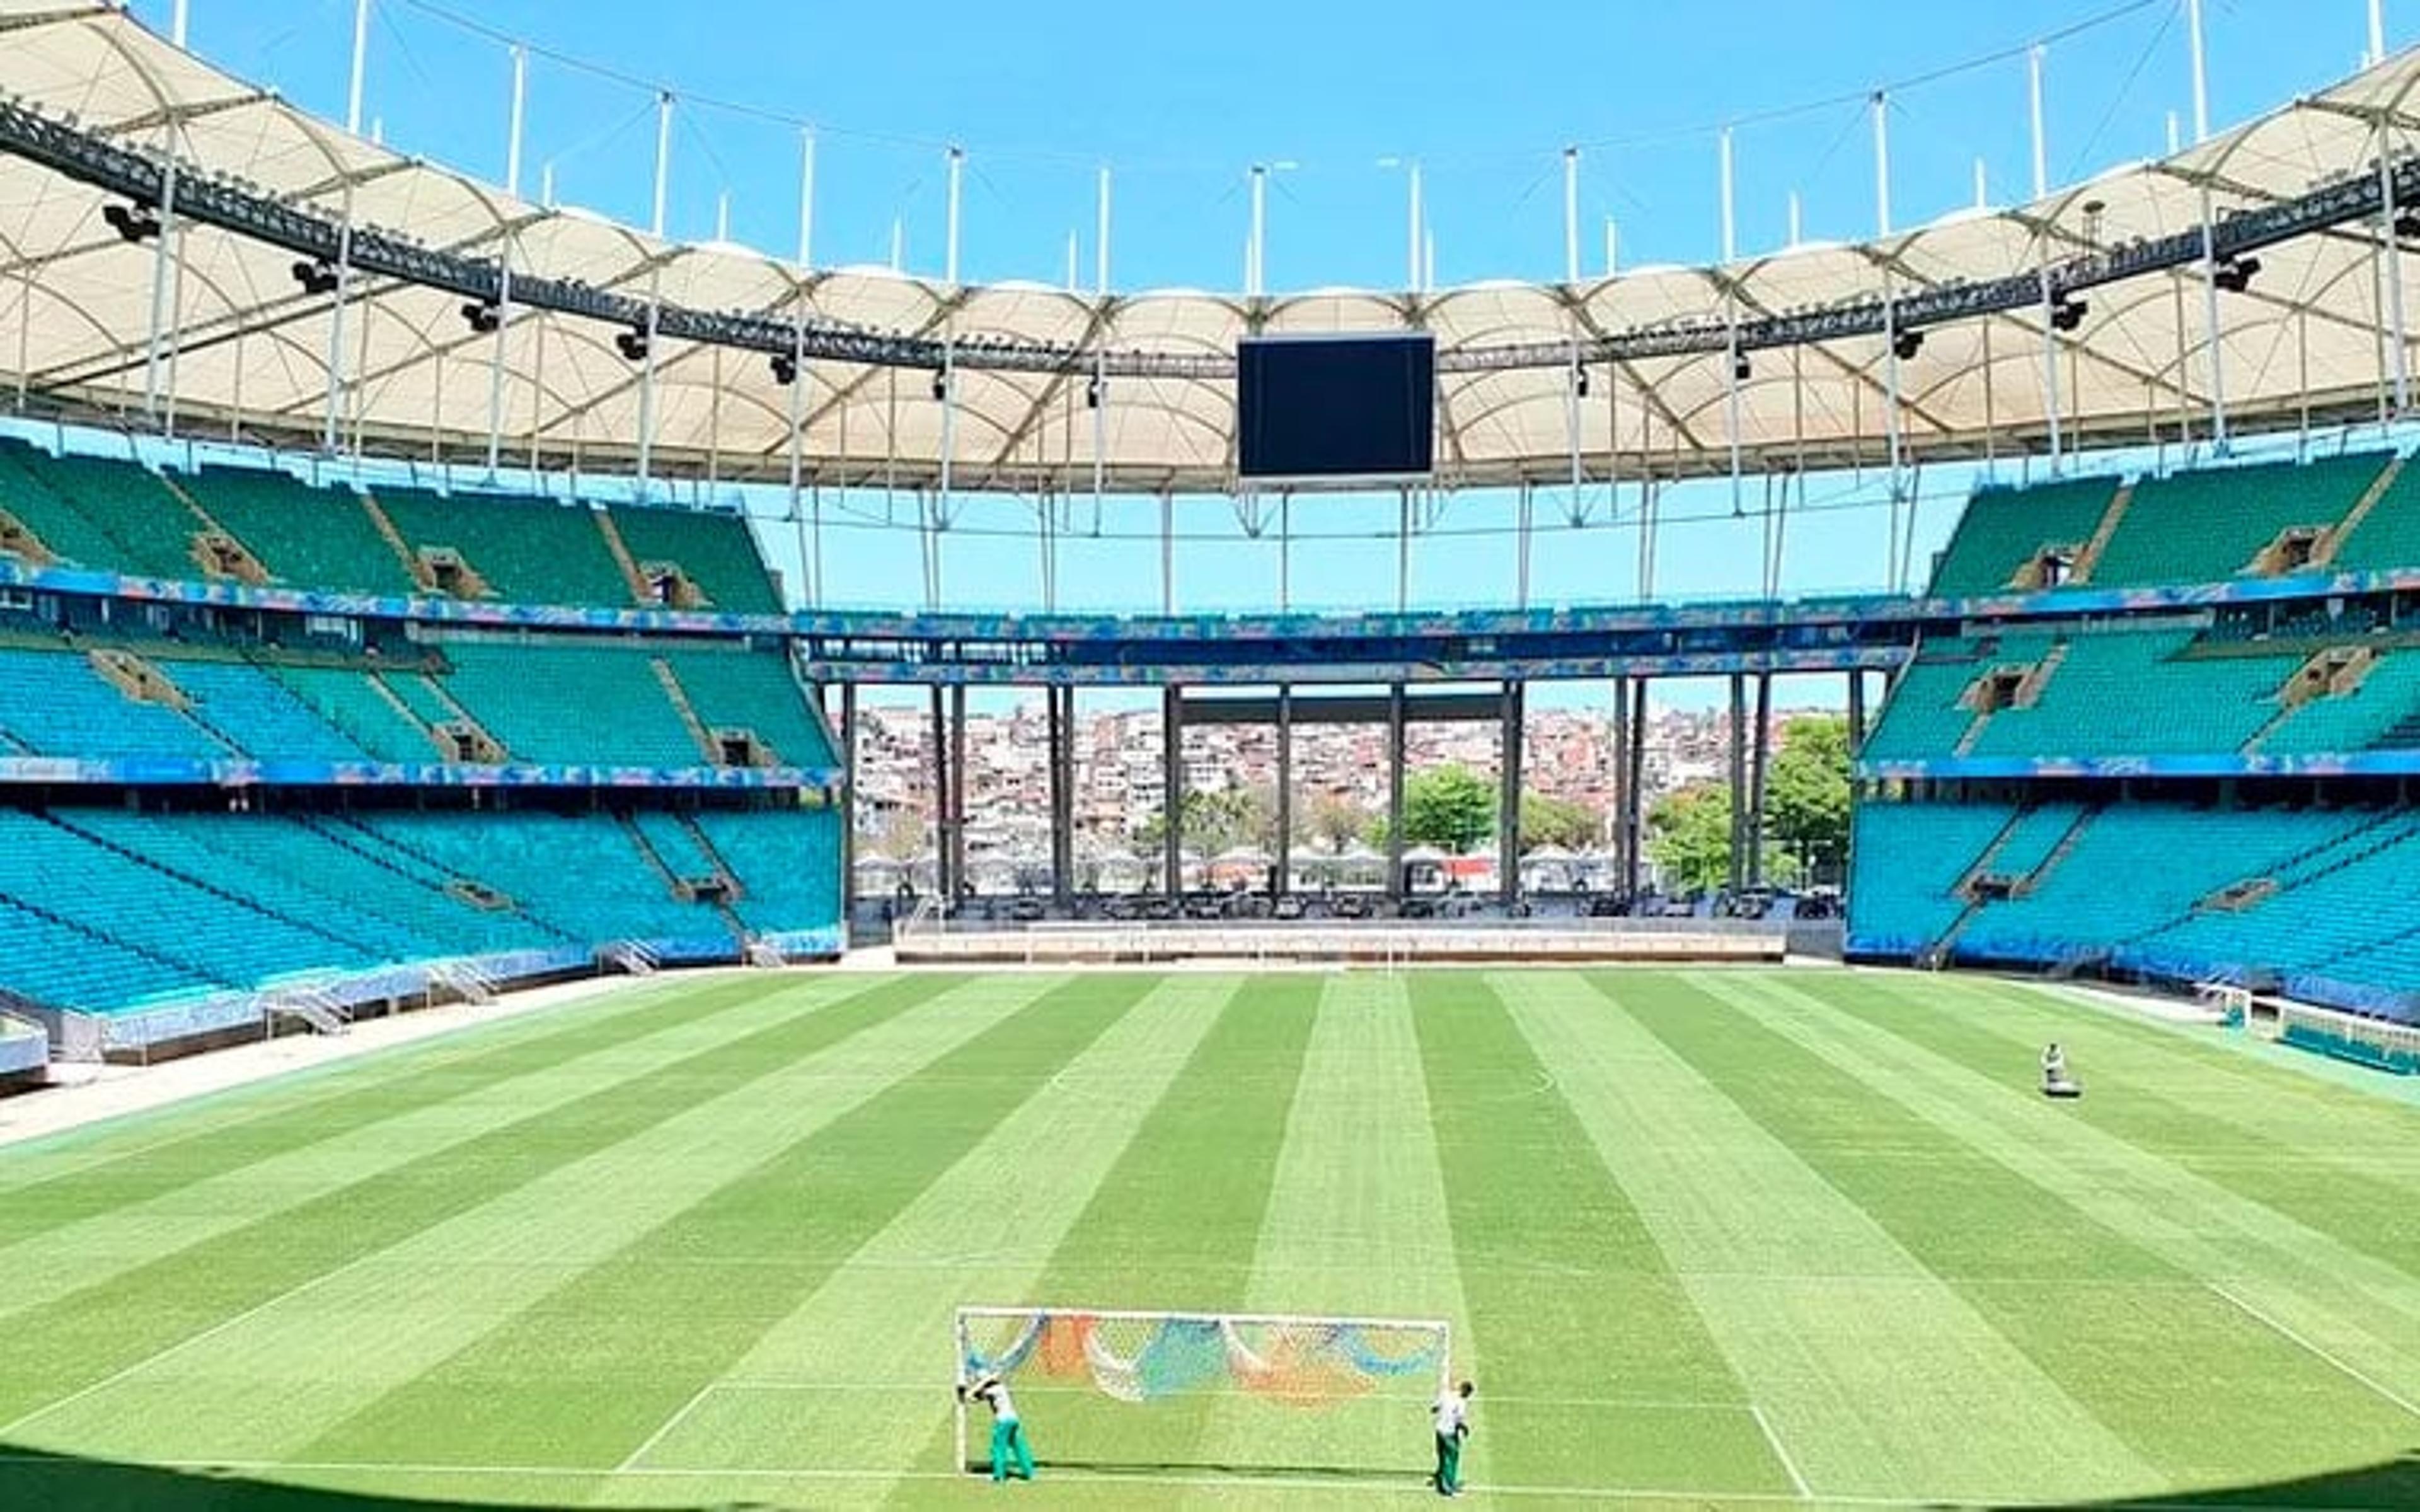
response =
{"points": [[1178, 1392]]}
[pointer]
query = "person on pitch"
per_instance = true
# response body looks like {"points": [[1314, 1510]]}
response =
{"points": [[1007, 1431], [1452, 1413]]}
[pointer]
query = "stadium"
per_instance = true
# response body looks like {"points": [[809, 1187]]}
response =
{"points": [[645, 872]]}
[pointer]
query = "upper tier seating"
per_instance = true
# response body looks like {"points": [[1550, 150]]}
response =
{"points": [[65, 531], [306, 537], [152, 529], [2127, 693], [2212, 525], [737, 689], [2388, 538], [523, 551], [716, 552], [2005, 531]]}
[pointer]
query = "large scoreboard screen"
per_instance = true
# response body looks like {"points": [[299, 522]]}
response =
{"points": [[1336, 409]]}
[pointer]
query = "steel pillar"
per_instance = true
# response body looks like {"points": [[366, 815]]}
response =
{"points": [[1737, 871], [1172, 764], [1282, 882], [1507, 824], [847, 737], [941, 796], [1633, 789], [1395, 718], [1757, 784], [958, 787]]}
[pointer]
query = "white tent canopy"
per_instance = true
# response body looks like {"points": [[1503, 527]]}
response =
{"points": [[251, 349]]}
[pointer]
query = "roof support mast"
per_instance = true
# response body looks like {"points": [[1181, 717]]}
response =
{"points": [[655, 289], [1896, 559], [949, 380], [1730, 318], [2208, 244], [1098, 397], [163, 249], [798, 384], [504, 262], [2042, 238], [1575, 380]]}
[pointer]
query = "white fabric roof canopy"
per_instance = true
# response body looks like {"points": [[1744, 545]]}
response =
{"points": [[252, 348]]}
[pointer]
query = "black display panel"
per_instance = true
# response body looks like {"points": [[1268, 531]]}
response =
{"points": [[1313, 407]]}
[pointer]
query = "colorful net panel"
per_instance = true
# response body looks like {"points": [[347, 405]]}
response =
{"points": [[1145, 1357]]}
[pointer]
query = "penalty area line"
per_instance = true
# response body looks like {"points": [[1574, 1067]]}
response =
{"points": [[1773, 1440], [2382, 1392]]}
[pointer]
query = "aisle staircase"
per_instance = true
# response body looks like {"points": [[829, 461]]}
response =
{"points": [[2111, 519], [2324, 553], [394, 537], [678, 697], [641, 592]]}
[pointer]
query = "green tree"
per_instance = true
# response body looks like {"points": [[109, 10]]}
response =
{"points": [[1335, 821], [1547, 820], [1806, 793], [1448, 807], [1689, 835], [1220, 819]]}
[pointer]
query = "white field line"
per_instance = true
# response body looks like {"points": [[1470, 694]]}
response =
{"points": [[1764, 1426], [669, 1424], [1379, 1483], [2320, 1354], [8, 1429]]}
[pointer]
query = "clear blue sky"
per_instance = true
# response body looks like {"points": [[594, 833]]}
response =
{"points": [[1179, 97]]}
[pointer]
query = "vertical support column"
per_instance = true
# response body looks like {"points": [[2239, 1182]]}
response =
{"points": [[1172, 767], [360, 66], [2391, 250], [958, 787], [162, 254], [1856, 714], [654, 290], [1757, 784], [1061, 739], [343, 296], [1634, 799], [1621, 754], [941, 796], [1507, 824], [1395, 719], [1737, 871], [1403, 549], [1283, 882], [847, 735]]}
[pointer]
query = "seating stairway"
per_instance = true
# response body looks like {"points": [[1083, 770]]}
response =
{"points": [[525, 550], [2208, 525], [305, 536], [2005, 531], [716, 552]]}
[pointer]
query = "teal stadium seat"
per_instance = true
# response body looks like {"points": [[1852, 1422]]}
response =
{"points": [[2004, 530], [2209, 526], [526, 550], [305, 537], [733, 688], [716, 551], [54, 704], [592, 705]]}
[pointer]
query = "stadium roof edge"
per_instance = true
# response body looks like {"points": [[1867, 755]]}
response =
{"points": [[250, 353]]}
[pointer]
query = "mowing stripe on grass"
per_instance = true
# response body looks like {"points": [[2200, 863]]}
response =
{"points": [[588, 1374], [879, 1330], [1172, 1224], [68, 1344], [1821, 1313], [61, 1260], [2039, 1267], [2249, 1136], [1569, 1297], [1356, 1227], [45, 1188], [402, 1312], [2355, 1307]]}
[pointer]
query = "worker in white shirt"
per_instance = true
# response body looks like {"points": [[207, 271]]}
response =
{"points": [[1452, 1413], [1008, 1432]]}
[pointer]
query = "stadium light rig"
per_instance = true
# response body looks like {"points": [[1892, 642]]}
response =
{"points": [[632, 345], [484, 319], [785, 369], [2235, 274], [1905, 345], [133, 224], [314, 277], [2068, 313]]}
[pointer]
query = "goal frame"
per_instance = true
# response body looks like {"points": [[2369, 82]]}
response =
{"points": [[960, 1341]]}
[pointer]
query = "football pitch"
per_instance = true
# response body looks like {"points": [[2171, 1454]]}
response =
{"points": [[1712, 1238]]}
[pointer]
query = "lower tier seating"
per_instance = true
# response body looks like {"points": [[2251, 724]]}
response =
{"points": [[103, 909], [2318, 899]]}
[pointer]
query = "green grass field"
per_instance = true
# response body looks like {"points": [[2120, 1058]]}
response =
{"points": [[1707, 1239]]}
